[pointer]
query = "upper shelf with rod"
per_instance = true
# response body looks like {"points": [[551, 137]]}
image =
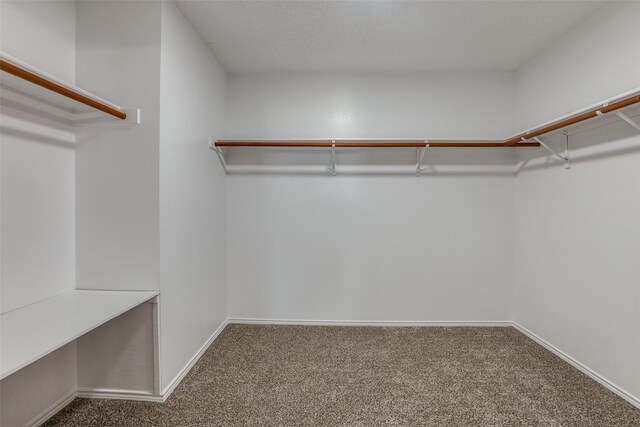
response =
{"points": [[611, 105], [420, 146], [529, 138], [35, 89]]}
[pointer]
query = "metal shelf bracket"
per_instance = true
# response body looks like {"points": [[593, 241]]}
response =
{"points": [[567, 158], [624, 117], [219, 152], [419, 157], [332, 168], [564, 158], [627, 119]]}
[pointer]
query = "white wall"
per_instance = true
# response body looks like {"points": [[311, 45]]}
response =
{"points": [[577, 238], [595, 61], [361, 105], [119, 354], [38, 202], [117, 168], [38, 177], [117, 189], [38, 209], [192, 194], [151, 198], [41, 387], [50, 42], [370, 248]]}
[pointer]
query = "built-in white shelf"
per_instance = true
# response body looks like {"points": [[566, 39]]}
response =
{"points": [[27, 86], [31, 332]]}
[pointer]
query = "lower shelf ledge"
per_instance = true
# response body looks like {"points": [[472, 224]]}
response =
{"points": [[31, 332]]}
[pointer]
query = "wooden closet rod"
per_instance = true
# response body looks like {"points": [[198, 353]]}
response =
{"points": [[590, 114], [57, 88], [368, 144]]}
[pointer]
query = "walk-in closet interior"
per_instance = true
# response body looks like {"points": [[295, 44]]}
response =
{"points": [[320, 213]]}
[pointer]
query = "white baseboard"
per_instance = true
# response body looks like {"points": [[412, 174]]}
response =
{"points": [[145, 396], [582, 368], [107, 393], [475, 323], [184, 371], [52, 410]]}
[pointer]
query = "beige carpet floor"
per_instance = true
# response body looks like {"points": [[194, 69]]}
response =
{"points": [[365, 376]]}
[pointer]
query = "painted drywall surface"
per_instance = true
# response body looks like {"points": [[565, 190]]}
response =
{"points": [[192, 194], [577, 251], [38, 208], [122, 345], [117, 168], [361, 105], [374, 35], [595, 61], [577, 239], [50, 42], [38, 202], [40, 387], [141, 214], [369, 247], [38, 195], [117, 190]]}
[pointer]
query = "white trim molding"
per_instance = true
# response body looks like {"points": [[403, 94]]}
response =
{"points": [[52, 410], [582, 368], [108, 393], [395, 323], [185, 370], [146, 396]]}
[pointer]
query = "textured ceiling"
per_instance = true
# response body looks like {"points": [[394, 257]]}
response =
{"points": [[249, 36]]}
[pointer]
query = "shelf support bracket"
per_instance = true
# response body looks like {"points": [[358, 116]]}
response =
{"points": [[219, 152], [420, 152], [332, 168], [623, 116], [564, 158], [627, 119], [567, 159]]}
